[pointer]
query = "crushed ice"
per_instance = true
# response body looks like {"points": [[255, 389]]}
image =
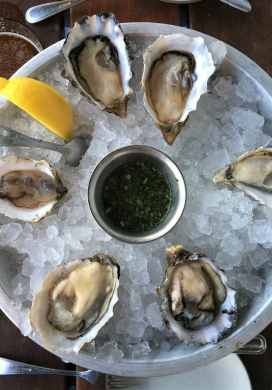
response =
{"points": [[219, 221]]}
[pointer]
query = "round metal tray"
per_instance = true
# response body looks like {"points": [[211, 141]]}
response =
{"points": [[252, 319]]}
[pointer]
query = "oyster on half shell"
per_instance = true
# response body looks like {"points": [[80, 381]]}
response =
{"points": [[176, 71], [29, 189], [251, 173], [199, 306], [75, 302], [97, 63]]}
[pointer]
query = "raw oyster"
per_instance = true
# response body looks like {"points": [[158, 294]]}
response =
{"points": [[96, 62], [176, 70], [29, 189], [75, 302], [199, 306], [251, 173]]}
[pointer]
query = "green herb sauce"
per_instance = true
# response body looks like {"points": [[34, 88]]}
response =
{"points": [[136, 196]]}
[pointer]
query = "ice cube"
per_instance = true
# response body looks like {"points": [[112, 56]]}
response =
{"points": [[139, 349], [251, 282], [109, 353], [154, 316], [131, 326], [211, 164], [218, 51]]}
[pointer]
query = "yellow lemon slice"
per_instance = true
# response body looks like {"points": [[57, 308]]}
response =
{"points": [[40, 101]]}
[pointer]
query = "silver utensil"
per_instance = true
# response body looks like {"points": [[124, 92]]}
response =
{"points": [[243, 5], [101, 381], [256, 346], [73, 151], [44, 11]]}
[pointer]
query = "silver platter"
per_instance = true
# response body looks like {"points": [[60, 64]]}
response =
{"points": [[253, 318]]}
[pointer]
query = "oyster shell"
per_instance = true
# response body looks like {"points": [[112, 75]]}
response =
{"points": [[199, 306], [75, 302], [96, 62], [29, 189], [251, 173], [176, 70]]}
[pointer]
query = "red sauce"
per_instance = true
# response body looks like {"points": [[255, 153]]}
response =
{"points": [[15, 51]]}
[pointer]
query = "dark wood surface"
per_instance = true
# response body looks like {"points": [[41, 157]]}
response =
{"points": [[15, 346], [81, 384], [129, 11], [48, 31], [259, 367], [248, 32]]}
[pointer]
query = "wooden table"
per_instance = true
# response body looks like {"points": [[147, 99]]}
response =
{"points": [[248, 32], [48, 31]]}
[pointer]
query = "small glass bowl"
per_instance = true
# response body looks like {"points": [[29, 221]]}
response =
{"points": [[12, 26], [17, 57], [142, 154]]}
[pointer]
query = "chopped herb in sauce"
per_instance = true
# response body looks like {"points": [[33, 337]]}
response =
{"points": [[136, 196]]}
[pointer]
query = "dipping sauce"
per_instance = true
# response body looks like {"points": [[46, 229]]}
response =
{"points": [[136, 196], [15, 51]]}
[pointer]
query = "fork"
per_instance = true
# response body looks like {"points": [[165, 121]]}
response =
{"points": [[257, 346], [73, 151], [97, 379]]}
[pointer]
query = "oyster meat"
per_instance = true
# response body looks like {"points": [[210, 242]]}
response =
{"points": [[75, 302], [199, 306], [29, 189], [251, 173], [97, 63], [176, 71]]}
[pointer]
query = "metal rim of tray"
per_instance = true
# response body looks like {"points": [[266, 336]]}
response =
{"points": [[167, 364]]}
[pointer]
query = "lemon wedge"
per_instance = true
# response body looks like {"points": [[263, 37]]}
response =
{"points": [[40, 101]]}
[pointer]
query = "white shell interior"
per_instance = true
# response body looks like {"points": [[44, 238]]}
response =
{"points": [[212, 332], [105, 25], [248, 174], [204, 66], [53, 339], [6, 206]]}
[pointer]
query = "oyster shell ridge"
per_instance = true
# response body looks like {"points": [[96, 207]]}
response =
{"points": [[228, 310], [53, 339]]}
